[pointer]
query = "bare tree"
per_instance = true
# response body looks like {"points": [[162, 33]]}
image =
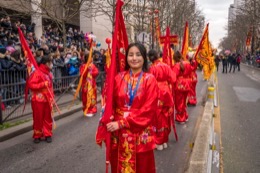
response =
{"points": [[247, 19]]}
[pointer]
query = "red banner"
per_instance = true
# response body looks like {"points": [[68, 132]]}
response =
{"points": [[119, 46]]}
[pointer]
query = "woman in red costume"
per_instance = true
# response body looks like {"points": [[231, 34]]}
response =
{"points": [[182, 69], [192, 98], [40, 83], [165, 79], [89, 88], [135, 106]]}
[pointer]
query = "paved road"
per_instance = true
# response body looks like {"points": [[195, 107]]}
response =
{"points": [[239, 96], [74, 150]]}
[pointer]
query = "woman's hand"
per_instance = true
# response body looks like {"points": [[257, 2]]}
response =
{"points": [[112, 126]]}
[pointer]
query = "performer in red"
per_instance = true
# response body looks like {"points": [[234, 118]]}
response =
{"points": [[135, 106], [165, 79], [89, 88], [192, 98], [182, 69], [40, 83]]}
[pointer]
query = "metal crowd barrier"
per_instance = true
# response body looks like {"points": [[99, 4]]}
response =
{"points": [[12, 85]]}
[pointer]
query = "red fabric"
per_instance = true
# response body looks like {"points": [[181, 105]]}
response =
{"points": [[180, 106], [27, 51], [192, 97], [36, 83], [145, 162], [163, 125], [165, 77], [136, 133], [2, 106], [42, 120], [181, 97], [143, 109], [92, 69], [122, 41], [30, 61], [118, 48], [41, 101]]}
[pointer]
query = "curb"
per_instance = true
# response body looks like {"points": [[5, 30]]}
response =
{"points": [[26, 127], [201, 155]]}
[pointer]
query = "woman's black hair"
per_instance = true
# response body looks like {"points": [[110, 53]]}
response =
{"points": [[153, 55], [142, 50], [177, 56], [45, 59]]}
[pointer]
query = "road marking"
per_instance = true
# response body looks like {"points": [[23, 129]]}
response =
{"points": [[247, 94], [217, 129]]}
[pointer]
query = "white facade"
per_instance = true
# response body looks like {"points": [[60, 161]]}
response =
{"points": [[37, 18], [231, 13], [100, 25]]}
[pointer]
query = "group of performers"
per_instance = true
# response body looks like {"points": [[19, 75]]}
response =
{"points": [[144, 103], [143, 110]]}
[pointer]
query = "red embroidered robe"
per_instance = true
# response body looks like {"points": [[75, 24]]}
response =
{"points": [[182, 88], [165, 79], [89, 89], [41, 101], [136, 137], [192, 98]]}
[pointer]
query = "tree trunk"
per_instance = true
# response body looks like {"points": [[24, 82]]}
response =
{"points": [[64, 35]]}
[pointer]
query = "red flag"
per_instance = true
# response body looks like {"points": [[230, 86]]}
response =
{"points": [[122, 41], [185, 44], [167, 52], [28, 54], [119, 45]]}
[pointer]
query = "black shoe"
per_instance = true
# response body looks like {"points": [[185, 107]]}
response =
{"points": [[37, 140], [48, 139]]}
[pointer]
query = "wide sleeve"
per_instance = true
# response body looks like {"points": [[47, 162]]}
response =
{"points": [[35, 82], [141, 118]]}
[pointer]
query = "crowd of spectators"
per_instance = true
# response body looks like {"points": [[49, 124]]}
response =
{"points": [[67, 58]]}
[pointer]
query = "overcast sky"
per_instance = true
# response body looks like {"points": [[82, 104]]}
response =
{"points": [[216, 14]]}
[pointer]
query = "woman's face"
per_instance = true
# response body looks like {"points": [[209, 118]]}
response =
{"points": [[135, 59]]}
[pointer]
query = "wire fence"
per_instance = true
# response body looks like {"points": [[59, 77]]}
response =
{"points": [[12, 86]]}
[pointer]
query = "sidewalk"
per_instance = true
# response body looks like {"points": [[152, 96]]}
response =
{"points": [[25, 127]]}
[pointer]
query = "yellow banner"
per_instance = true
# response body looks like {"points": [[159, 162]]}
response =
{"points": [[204, 51]]}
